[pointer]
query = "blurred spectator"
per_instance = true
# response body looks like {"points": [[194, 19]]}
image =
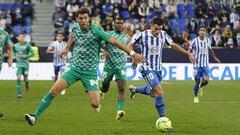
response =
{"points": [[17, 17], [27, 9], [234, 16], [154, 4], [211, 10], [72, 7], [192, 26], [57, 14], [238, 39], [67, 24], [60, 3], [217, 40], [214, 22], [224, 21], [143, 9], [185, 40], [229, 43], [171, 10], [107, 8]]}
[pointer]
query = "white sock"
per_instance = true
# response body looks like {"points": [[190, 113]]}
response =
{"points": [[98, 109]]}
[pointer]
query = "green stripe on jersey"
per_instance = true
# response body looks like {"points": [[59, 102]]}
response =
{"points": [[117, 58], [85, 55], [22, 49], [4, 41]]}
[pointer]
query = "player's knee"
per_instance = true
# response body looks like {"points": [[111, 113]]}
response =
{"points": [[156, 93], [95, 103]]}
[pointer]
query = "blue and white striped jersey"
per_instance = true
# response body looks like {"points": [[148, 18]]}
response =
{"points": [[57, 47], [200, 50], [151, 48]]}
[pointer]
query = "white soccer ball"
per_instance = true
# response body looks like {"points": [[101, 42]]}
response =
{"points": [[164, 124]]}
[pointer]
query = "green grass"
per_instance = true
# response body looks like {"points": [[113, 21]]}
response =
{"points": [[218, 112]]}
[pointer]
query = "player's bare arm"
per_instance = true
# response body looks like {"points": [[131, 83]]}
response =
{"points": [[10, 55], [137, 57], [134, 62], [64, 52], [214, 56], [181, 50], [105, 53]]}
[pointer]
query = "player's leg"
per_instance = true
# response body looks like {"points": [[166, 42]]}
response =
{"points": [[18, 85], [120, 77], [68, 78], [121, 84], [56, 70], [205, 75], [107, 78], [148, 76], [157, 91], [197, 76], [61, 71], [90, 83], [25, 77], [94, 98]]}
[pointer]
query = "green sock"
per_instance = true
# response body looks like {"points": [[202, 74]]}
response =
{"points": [[45, 102], [120, 105], [19, 87]]}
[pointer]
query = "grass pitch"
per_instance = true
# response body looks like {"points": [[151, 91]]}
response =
{"points": [[218, 112]]}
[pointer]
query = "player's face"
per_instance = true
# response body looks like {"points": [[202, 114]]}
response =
{"points": [[156, 29], [118, 25], [21, 38], [60, 37], [202, 32], [83, 20]]}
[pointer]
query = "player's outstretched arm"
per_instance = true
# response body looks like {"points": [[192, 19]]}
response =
{"points": [[10, 54], [214, 56], [182, 50], [137, 57], [64, 52]]}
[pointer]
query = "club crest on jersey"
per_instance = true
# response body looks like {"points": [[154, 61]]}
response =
{"points": [[93, 82]]}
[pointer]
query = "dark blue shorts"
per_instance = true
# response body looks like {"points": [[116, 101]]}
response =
{"points": [[153, 78]]}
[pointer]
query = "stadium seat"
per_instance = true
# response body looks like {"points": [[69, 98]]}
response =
{"points": [[17, 29], [124, 14], [181, 7], [192, 36], [27, 29], [28, 21], [181, 23]]}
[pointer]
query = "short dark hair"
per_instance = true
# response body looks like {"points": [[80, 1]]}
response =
{"points": [[202, 26], [22, 33], [83, 11], [157, 20], [60, 32]]}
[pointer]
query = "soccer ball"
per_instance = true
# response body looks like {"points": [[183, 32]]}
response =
{"points": [[164, 124]]}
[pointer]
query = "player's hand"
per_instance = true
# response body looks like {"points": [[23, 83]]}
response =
{"points": [[105, 55], [217, 60], [134, 63], [10, 61], [138, 58], [191, 57], [64, 52]]}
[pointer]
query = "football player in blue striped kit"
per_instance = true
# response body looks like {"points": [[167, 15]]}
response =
{"points": [[56, 48], [152, 42], [201, 48]]}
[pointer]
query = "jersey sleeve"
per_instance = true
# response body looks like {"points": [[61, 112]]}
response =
{"points": [[192, 44], [51, 45], [8, 40], [136, 39], [102, 34], [169, 40]]}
